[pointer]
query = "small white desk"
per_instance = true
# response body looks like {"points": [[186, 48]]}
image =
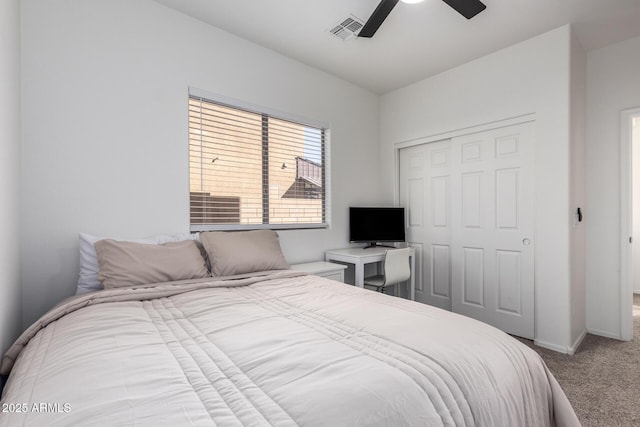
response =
{"points": [[360, 256]]}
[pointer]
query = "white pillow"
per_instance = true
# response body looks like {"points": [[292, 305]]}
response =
{"points": [[88, 277]]}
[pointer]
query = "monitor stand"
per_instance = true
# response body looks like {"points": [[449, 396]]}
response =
{"points": [[376, 245]]}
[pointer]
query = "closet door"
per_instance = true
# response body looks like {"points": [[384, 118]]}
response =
{"points": [[425, 193], [469, 204], [492, 228]]}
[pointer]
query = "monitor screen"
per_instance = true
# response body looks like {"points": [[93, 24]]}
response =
{"points": [[371, 224]]}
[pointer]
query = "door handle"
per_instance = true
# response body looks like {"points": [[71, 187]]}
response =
{"points": [[526, 241]]}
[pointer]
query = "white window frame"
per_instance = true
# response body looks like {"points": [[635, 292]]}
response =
{"points": [[276, 114]]}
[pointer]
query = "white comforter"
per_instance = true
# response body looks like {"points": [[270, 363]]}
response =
{"points": [[276, 350]]}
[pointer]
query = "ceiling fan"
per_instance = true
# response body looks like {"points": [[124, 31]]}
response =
{"points": [[467, 8]]}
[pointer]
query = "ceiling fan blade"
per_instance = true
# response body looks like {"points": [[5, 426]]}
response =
{"points": [[377, 18], [467, 8]]}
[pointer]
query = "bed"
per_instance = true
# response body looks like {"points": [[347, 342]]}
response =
{"points": [[270, 347]]}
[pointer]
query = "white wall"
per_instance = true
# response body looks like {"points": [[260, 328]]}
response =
{"points": [[530, 77], [577, 193], [613, 77], [10, 293], [105, 129]]}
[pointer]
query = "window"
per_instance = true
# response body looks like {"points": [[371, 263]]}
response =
{"points": [[252, 169]]}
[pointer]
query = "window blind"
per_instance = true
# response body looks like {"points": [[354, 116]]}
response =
{"points": [[249, 169]]}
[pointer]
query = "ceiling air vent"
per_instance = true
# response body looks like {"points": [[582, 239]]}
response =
{"points": [[347, 28]]}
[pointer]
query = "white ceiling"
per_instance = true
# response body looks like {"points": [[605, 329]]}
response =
{"points": [[416, 40]]}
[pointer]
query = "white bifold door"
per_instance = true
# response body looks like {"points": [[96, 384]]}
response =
{"points": [[469, 204]]}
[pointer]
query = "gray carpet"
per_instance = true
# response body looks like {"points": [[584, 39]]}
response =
{"points": [[602, 380]]}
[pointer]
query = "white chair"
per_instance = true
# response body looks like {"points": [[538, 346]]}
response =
{"points": [[396, 270]]}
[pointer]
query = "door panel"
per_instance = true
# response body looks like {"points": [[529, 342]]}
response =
{"points": [[415, 203], [441, 271], [493, 215], [507, 199], [440, 201], [472, 200], [426, 194], [470, 211], [508, 268], [473, 277]]}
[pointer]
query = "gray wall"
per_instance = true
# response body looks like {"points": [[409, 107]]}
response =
{"points": [[105, 129], [613, 77], [10, 293], [104, 142], [529, 77], [577, 191]]}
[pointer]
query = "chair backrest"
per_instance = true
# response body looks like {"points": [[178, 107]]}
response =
{"points": [[396, 266]]}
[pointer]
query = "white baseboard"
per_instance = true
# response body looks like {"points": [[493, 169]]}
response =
{"points": [[551, 346], [574, 347], [560, 349], [605, 334]]}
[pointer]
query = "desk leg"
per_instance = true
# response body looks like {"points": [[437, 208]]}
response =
{"points": [[359, 273], [412, 285]]}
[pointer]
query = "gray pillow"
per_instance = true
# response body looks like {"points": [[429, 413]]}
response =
{"points": [[129, 263], [239, 252]]}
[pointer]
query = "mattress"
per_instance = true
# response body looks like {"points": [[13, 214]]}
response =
{"points": [[280, 348]]}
